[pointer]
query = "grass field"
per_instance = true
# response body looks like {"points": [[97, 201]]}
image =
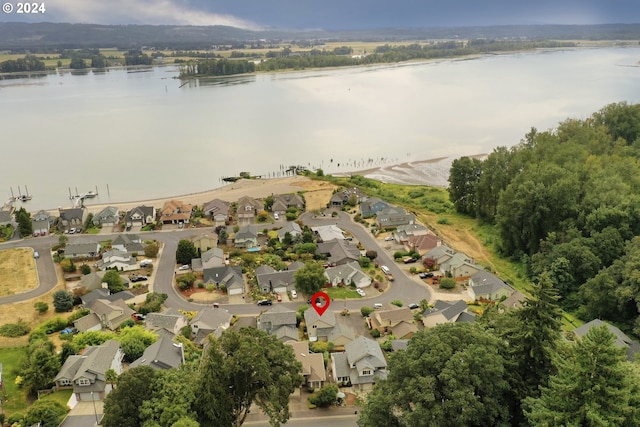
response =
{"points": [[17, 271], [16, 400]]}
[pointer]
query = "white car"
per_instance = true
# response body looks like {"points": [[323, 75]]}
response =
{"points": [[360, 292], [294, 294], [184, 267], [388, 239]]}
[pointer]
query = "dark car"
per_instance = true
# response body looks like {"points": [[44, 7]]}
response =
{"points": [[265, 302], [413, 305], [138, 278], [425, 275]]}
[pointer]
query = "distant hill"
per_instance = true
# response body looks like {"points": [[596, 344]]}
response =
{"points": [[16, 36]]}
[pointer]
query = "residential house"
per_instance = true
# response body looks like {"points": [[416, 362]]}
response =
{"points": [[313, 370], [207, 321], [217, 210], [111, 313], [346, 196], [487, 286], [361, 364], [210, 259], [86, 372], [246, 237], [342, 333], [90, 322], [228, 276], [82, 249], [459, 265], [280, 282], [72, 218], [339, 252], [439, 254], [279, 321], [118, 260], [422, 244], [326, 233], [247, 209], [128, 243], [371, 206], [348, 274], [162, 354], [397, 321], [319, 327], [204, 242], [175, 212], [630, 346], [107, 217], [41, 222], [91, 281], [397, 345], [105, 294], [141, 215], [514, 301], [171, 320], [447, 312], [403, 232], [282, 202], [5, 219], [394, 216], [293, 228]]}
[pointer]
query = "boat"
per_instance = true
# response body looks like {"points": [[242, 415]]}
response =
{"points": [[22, 197], [90, 194]]}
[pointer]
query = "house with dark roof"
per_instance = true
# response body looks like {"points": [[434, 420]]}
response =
{"points": [[107, 217], [484, 285], [269, 280], [348, 274], [208, 321], [372, 206], [85, 373], [217, 210], [447, 312], [343, 197], [282, 202], [246, 237], [313, 370], [41, 222], [361, 364], [128, 243], [394, 216], [141, 215], [82, 249], [161, 355], [630, 346], [339, 252], [175, 212], [72, 218], [279, 321], [228, 276]]}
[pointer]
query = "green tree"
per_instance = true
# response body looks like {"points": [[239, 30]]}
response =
{"points": [[122, 405], [186, 422], [40, 366], [464, 176], [23, 218], [450, 375], [310, 278], [48, 413], [114, 281], [134, 341], [172, 397], [241, 368], [62, 301], [186, 252], [77, 63], [151, 250], [85, 269], [594, 386], [326, 396]]}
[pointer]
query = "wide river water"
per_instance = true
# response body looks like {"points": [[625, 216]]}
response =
{"points": [[145, 135]]}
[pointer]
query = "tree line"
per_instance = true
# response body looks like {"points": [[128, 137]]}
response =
{"points": [[567, 201], [28, 63]]}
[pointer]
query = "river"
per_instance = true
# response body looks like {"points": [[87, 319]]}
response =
{"points": [[144, 136]]}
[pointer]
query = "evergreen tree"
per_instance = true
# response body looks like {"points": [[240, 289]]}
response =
{"points": [[594, 386], [122, 405], [23, 218], [186, 252]]}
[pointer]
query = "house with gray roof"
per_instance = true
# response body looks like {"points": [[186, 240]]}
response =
{"points": [[422, 244], [141, 215], [394, 216], [214, 257], [291, 227], [5, 218], [372, 206], [104, 293], [447, 312], [82, 249], [282, 202], [111, 313], [327, 233], [217, 210], [247, 209], [339, 252], [128, 243], [107, 217], [348, 274], [630, 346], [208, 321], [361, 364], [484, 285], [228, 276], [342, 333], [91, 281], [90, 322], [72, 218], [439, 254], [117, 260], [459, 265], [172, 321], [403, 232], [276, 318], [396, 320], [269, 280], [319, 327], [246, 237], [41, 223], [86, 372], [343, 197], [162, 354]]}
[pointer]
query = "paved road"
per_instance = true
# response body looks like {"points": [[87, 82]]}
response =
{"points": [[334, 421], [405, 288]]}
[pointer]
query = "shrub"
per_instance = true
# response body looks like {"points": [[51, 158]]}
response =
{"points": [[210, 287], [62, 301], [371, 254], [321, 346], [67, 266], [15, 419], [13, 330], [151, 251], [41, 307], [85, 269], [54, 325], [77, 315], [375, 333], [365, 311], [448, 283], [444, 221], [397, 302], [326, 396]]}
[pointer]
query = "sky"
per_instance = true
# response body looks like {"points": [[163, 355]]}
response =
{"points": [[330, 14]]}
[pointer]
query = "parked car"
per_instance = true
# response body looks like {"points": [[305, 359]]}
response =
{"points": [[425, 275], [184, 267], [146, 262], [276, 216], [294, 294], [72, 231], [388, 239], [138, 278], [410, 260], [413, 306], [360, 292], [138, 316], [279, 298], [265, 302], [36, 255]]}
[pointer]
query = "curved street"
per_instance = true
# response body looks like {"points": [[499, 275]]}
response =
{"points": [[405, 288]]}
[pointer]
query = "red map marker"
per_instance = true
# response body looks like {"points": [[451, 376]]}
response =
{"points": [[320, 302]]}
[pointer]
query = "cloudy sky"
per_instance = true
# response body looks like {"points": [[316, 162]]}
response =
{"points": [[333, 14]]}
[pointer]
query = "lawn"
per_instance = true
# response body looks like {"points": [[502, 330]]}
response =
{"points": [[339, 293], [16, 400], [17, 271]]}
